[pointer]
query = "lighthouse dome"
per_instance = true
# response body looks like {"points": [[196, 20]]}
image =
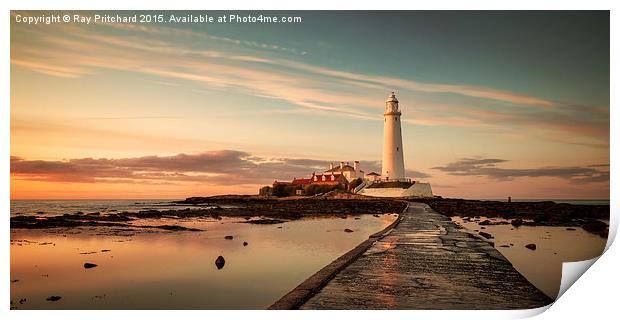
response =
{"points": [[392, 97]]}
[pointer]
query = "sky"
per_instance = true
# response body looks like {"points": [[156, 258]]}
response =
{"points": [[494, 104]]}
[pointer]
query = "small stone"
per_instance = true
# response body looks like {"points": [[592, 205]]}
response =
{"points": [[228, 237], [531, 246], [348, 230], [53, 298], [245, 243], [89, 265], [219, 262], [505, 246]]}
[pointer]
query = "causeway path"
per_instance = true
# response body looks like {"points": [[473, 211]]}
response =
{"points": [[425, 262]]}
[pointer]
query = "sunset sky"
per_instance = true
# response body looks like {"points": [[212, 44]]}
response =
{"points": [[494, 104]]}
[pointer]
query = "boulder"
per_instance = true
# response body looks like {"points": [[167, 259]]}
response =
{"points": [[531, 246], [219, 262], [89, 265], [245, 243], [53, 298], [228, 237]]}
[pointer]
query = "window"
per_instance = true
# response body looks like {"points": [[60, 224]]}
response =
{"points": [[397, 149]]}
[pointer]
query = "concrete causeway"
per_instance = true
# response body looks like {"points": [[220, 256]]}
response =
{"points": [[425, 262]]}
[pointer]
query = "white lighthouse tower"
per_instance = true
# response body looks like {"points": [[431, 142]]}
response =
{"points": [[393, 162]]}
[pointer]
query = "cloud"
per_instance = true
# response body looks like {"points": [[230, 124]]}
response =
{"points": [[230, 167], [161, 52], [488, 168]]}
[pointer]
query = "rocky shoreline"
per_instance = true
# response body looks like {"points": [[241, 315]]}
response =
{"points": [[270, 211], [542, 213]]}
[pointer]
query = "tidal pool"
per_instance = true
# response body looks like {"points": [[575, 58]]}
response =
{"points": [[554, 245], [158, 269]]}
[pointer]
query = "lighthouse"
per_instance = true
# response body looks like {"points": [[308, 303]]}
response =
{"points": [[393, 161]]}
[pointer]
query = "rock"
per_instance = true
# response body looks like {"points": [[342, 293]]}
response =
{"points": [[265, 221], [505, 246], [357, 218], [571, 229], [53, 298], [594, 226], [517, 222], [176, 228], [106, 250], [531, 246], [486, 235], [219, 262], [348, 230], [482, 228], [245, 243], [40, 212], [89, 265], [228, 237], [485, 223]]}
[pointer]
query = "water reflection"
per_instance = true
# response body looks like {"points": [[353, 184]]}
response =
{"points": [[176, 270], [554, 245]]}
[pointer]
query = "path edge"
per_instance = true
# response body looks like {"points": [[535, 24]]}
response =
{"points": [[311, 286]]}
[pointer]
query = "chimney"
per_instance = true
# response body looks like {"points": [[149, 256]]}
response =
{"points": [[331, 166], [356, 166], [341, 164]]}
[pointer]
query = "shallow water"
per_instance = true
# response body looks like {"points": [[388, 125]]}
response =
{"points": [[554, 245], [176, 270]]}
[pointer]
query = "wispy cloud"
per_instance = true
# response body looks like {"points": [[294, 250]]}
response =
{"points": [[153, 50], [230, 167], [487, 167]]}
